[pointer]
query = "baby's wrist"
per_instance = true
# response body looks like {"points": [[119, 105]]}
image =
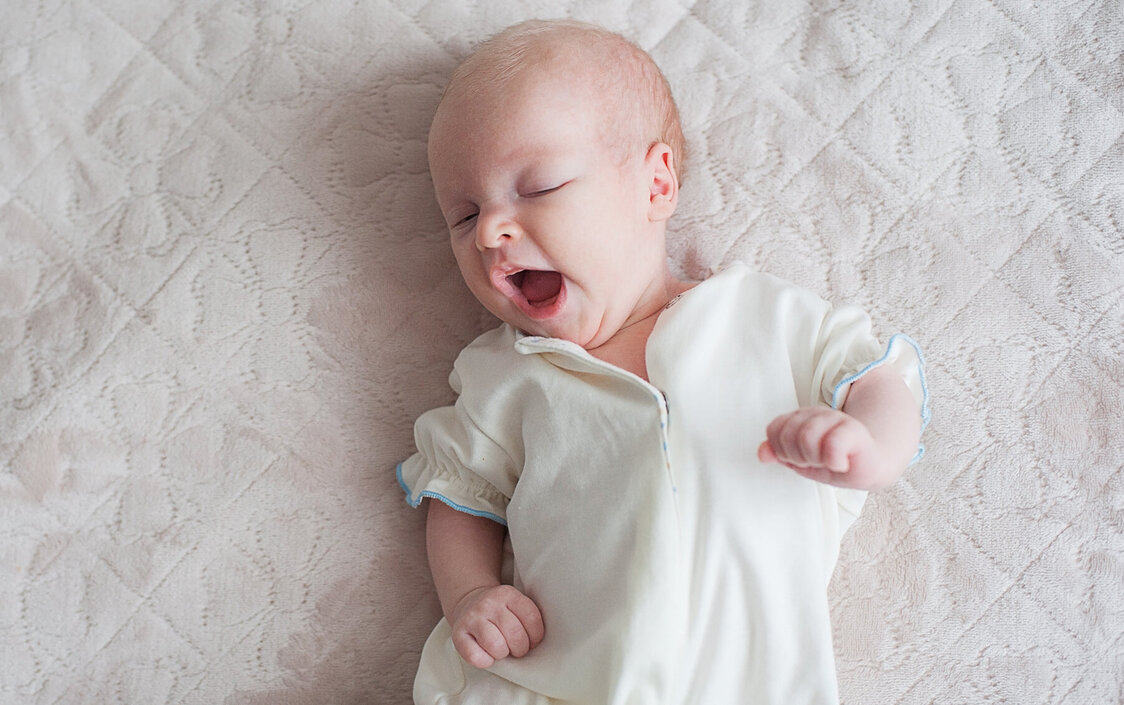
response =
{"points": [[885, 468]]}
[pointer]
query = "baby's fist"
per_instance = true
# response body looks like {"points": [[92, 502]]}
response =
{"points": [[824, 445], [492, 623]]}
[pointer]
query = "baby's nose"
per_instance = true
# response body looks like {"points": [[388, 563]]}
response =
{"points": [[494, 229]]}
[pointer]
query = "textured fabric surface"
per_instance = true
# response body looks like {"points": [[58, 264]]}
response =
{"points": [[225, 295]]}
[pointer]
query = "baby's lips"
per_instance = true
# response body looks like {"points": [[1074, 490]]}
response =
{"points": [[499, 274]]}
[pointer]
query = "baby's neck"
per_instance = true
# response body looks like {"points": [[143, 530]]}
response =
{"points": [[627, 349]]}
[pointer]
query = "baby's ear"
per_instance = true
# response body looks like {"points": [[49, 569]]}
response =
{"points": [[663, 184]]}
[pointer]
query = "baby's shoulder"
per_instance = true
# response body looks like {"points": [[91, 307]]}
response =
{"points": [[745, 288], [490, 349], [493, 364]]}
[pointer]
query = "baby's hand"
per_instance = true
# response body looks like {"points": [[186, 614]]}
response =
{"points": [[824, 445], [492, 623]]}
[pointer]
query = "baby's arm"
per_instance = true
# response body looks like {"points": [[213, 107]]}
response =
{"points": [[490, 621], [867, 445]]}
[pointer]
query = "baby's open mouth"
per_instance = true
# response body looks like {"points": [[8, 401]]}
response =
{"points": [[538, 287]]}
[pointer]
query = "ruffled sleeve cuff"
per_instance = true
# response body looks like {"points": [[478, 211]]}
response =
{"points": [[420, 479], [458, 464], [903, 354]]}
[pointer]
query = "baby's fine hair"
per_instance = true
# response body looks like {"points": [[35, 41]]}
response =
{"points": [[625, 69]]}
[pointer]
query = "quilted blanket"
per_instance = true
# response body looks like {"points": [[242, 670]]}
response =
{"points": [[226, 294]]}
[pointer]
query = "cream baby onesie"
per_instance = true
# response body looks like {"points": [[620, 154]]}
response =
{"points": [[671, 567]]}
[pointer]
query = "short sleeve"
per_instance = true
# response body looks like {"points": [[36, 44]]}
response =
{"points": [[846, 351], [458, 464]]}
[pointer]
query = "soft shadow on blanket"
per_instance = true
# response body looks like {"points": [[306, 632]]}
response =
{"points": [[394, 329]]}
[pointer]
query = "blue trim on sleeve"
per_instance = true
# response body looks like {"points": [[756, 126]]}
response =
{"points": [[925, 413], [415, 500]]}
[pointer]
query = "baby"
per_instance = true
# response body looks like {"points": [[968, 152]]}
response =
{"points": [[672, 463]]}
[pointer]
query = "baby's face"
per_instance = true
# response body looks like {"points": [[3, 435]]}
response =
{"points": [[551, 231]]}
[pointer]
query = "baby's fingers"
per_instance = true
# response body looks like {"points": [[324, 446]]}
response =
{"points": [[499, 622], [482, 646], [516, 640], [839, 443], [796, 439], [530, 620], [766, 454]]}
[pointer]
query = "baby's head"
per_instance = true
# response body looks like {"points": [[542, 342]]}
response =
{"points": [[555, 155], [631, 92]]}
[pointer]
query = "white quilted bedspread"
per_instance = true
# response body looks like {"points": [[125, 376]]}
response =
{"points": [[225, 294]]}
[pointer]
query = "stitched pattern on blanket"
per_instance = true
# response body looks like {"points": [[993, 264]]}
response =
{"points": [[225, 295]]}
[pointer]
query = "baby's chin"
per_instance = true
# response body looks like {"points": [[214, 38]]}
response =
{"points": [[570, 317], [557, 328], [589, 337]]}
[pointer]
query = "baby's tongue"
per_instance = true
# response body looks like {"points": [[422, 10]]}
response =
{"points": [[540, 287]]}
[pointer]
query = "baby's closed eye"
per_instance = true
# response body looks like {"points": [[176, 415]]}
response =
{"points": [[460, 218], [536, 192]]}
